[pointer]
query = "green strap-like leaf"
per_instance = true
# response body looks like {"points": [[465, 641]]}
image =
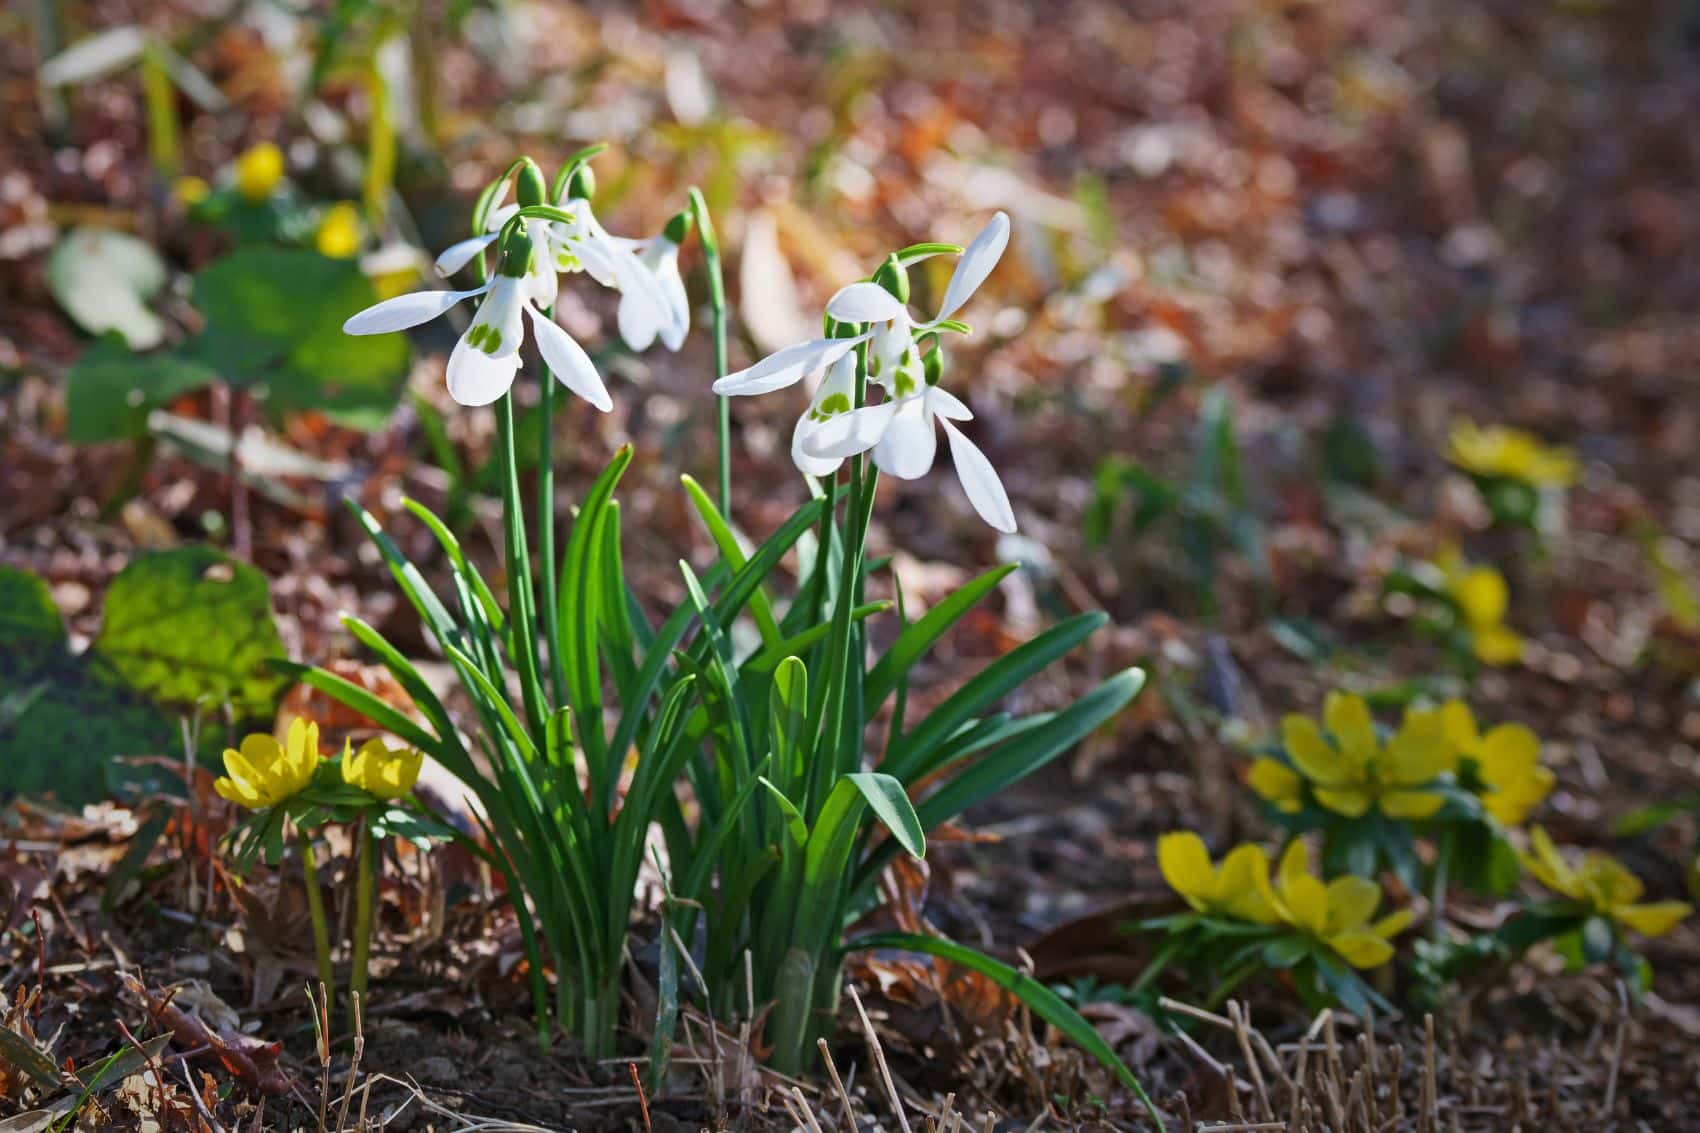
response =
{"points": [[919, 636], [891, 805], [1044, 1002]]}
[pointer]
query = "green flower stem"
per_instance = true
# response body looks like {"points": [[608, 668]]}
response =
{"points": [[1437, 889], [546, 532], [717, 301], [316, 911], [363, 895], [1158, 963], [520, 611]]}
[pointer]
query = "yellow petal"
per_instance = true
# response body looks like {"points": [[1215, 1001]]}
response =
{"points": [[1315, 758], [1507, 753], [1496, 645], [1418, 752], [1353, 728], [1608, 881], [1393, 923], [1653, 919], [1353, 802], [1277, 784], [1306, 900], [1481, 596], [238, 792], [1458, 724], [1351, 903], [1185, 865], [1243, 884], [1362, 948], [1411, 804], [1549, 866]]}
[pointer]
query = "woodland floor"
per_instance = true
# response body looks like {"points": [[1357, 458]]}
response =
{"points": [[1363, 217]]}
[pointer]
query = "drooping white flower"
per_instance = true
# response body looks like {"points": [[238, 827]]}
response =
{"points": [[644, 272], [483, 363], [899, 429]]}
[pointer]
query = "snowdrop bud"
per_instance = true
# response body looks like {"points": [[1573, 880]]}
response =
{"points": [[529, 188], [581, 186], [679, 228], [933, 364], [893, 278], [516, 253]]}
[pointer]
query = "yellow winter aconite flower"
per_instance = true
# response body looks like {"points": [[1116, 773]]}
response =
{"points": [[1603, 884], [258, 171], [1336, 913], [338, 234], [264, 772], [190, 191], [1480, 596], [1502, 453], [1238, 889], [1349, 770], [388, 773], [1510, 779]]}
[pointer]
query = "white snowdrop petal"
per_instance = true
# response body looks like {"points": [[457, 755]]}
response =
{"points": [[806, 464], [980, 480], [846, 434], [678, 303], [786, 366], [569, 362], [977, 262], [499, 325], [475, 378], [864, 303], [947, 404], [640, 320], [908, 444], [405, 311], [457, 256]]}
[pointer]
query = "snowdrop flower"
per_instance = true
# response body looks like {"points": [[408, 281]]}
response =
{"points": [[662, 310], [900, 429], [485, 360], [644, 272]]}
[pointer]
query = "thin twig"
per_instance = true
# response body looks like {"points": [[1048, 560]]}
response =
{"points": [[878, 1053]]}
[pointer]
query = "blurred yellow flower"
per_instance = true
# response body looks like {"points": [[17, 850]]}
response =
{"points": [[258, 171], [1501, 453], [1602, 884], [1238, 889], [1337, 913], [1277, 784], [1510, 779], [1480, 596], [1350, 771], [388, 773], [338, 234], [190, 191], [264, 772]]}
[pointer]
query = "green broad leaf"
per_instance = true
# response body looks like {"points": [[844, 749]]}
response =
{"points": [[65, 719], [104, 280], [191, 626], [274, 319], [110, 390], [1044, 1002], [28, 618], [891, 805], [795, 825]]}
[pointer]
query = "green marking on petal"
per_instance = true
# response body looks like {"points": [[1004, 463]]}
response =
{"points": [[837, 403], [905, 383]]}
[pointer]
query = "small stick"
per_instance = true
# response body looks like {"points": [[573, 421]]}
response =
{"points": [[1242, 1028], [355, 1007], [643, 1102], [1427, 1117], [1617, 1049], [878, 1053], [837, 1084], [808, 1113], [322, 1038]]}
